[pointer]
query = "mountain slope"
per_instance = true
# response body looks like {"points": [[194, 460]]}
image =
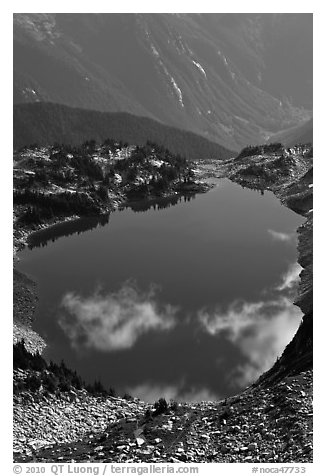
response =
{"points": [[298, 135], [46, 123], [208, 73]]}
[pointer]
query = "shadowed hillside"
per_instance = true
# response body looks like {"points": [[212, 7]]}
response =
{"points": [[296, 135], [47, 123]]}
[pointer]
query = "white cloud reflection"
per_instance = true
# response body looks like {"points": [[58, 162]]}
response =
{"points": [[113, 321], [261, 330], [150, 393], [280, 236], [291, 278]]}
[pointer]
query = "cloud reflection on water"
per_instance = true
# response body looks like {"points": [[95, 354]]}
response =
{"points": [[260, 329], [113, 321], [152, 392], [281, 236], [291, 278]]}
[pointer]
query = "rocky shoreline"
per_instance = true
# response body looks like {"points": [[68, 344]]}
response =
{"points": [[293, 186]]}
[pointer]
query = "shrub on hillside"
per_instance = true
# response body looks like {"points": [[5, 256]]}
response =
{"points": [[33, 383], [160, 407], [50, 382]]}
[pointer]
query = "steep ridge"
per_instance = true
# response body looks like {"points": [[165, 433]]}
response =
{"points": [[47, 123], [210, 74]]}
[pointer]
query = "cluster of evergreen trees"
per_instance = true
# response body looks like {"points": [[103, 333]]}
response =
{"points": [[79, 168], [51, 377], [261, 149], [43, 206]]}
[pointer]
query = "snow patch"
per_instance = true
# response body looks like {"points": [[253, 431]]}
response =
{"points": [[154, 51], [199, 66], [178, 91], [242, 119], [173, 82]]}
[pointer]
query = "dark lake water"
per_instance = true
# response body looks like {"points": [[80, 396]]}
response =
{"points": [[191, 301]]}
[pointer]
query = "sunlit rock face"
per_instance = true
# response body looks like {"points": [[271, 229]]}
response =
{"points": [[214, 74]]}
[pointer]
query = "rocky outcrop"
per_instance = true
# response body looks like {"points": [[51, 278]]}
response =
{"points": [[24, 304], [33, 341], [24, 298]]}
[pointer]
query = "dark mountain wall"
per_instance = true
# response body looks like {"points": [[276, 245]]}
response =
{"points": [[233, 78], [46, 123]]}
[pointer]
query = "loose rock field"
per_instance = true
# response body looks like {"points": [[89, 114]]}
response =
{"points": [[260, 425]]}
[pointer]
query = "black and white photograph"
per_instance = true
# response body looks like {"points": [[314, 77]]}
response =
{"points": [[162, 239]]}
